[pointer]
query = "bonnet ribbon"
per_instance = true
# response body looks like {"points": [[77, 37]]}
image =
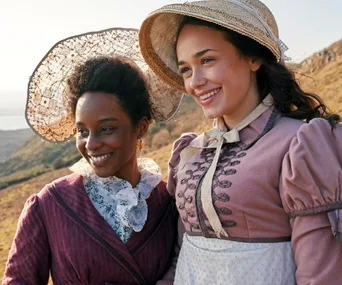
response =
{"points": [[216, 137], [281, 45]]}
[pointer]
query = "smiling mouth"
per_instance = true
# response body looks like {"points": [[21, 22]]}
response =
{"points": [[210, 94], [101, 158]]}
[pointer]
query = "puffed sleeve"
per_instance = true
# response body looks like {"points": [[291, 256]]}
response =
{"points": [[310, 189], [178, 146], [29, 257]]}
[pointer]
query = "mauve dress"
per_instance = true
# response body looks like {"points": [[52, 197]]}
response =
{"points": [[277, 193]]}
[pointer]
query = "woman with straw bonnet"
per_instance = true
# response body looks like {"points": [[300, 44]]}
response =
{"points": [[112, 221], [260, 193]]}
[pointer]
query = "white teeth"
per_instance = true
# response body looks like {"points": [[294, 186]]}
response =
{"points": [[99, 158], [208, 95]]}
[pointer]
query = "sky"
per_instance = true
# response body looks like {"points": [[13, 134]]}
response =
{"points": [[29, 28]]}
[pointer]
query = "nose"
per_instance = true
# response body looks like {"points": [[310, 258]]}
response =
{"points": [[197, 79], [93, 142]]}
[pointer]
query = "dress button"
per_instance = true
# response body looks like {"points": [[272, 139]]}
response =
{"points": [[242, 155], [189, 199]]}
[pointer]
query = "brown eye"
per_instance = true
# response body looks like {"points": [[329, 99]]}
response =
{"points": [[82, 133], [108, 129], [207, 60], [184, 70]]}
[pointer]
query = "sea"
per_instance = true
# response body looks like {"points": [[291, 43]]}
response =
{"points": [[12, 110], [12, 122]]}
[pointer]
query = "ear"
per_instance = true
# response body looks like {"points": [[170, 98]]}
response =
{"points": [[142, 127], [254, 63]]}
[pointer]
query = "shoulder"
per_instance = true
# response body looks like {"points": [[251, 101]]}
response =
{"points": [[183, 141], [61, 185], [160, 196], [161, 188], [320, 130], [31, 211], [287, 127], [67, 181], [318, 138]]}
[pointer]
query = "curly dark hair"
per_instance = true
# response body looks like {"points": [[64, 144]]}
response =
{"points": [[274, 77], [114, 75]]}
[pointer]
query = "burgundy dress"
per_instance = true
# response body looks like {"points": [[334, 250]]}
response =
{"points": [[61, 232]]}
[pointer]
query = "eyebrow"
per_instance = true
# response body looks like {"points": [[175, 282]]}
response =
{"points": [[109, 119], [197, 55]]}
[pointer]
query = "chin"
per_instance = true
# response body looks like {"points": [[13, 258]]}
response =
{"points": [[211, 114]]}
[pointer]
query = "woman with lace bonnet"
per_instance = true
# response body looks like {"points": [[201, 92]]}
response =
{"points": [[112, 221], [259, 194]]}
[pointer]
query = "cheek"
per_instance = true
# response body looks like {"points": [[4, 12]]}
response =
{"points": [[187, 87], [236, 79], [121, 140], [80, 145]]}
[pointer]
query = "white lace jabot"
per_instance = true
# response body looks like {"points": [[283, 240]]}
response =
{"points": [[121, 205]]}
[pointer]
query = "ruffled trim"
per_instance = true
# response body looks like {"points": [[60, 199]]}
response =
{"points": [[122, 206]]}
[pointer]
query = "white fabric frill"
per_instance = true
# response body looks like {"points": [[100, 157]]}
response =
{"points": [[122, 206]]}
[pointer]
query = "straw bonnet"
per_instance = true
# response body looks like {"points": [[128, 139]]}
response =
{"points": [[47, 109], [158, 33]]}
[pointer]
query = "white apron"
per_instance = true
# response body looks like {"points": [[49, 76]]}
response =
{"points": [[204, 261]]}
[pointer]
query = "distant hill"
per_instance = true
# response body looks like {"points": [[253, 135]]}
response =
{"points": [[10, 141], [321, 73], [34, 158]]}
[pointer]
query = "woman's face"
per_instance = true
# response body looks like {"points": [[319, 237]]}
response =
{"points": [[106, 137], [216, 75]]}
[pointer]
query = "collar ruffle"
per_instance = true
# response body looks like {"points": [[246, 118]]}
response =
{"points": [[121, 205]]}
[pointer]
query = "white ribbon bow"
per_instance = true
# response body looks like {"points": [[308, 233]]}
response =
{"points": [[216, 139]]}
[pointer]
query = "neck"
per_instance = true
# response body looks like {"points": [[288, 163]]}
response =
{"points": [[130, 172]]}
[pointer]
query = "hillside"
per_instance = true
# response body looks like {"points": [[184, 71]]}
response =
{"points": [[10, 141], [321, 74], [36, 157]]}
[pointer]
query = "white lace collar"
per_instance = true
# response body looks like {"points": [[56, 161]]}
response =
{"points": [[121, 205]]}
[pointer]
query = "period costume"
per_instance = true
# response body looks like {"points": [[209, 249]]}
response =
{"points": [[261, 203], [274, 189], [81, 228], [60, 229]]}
